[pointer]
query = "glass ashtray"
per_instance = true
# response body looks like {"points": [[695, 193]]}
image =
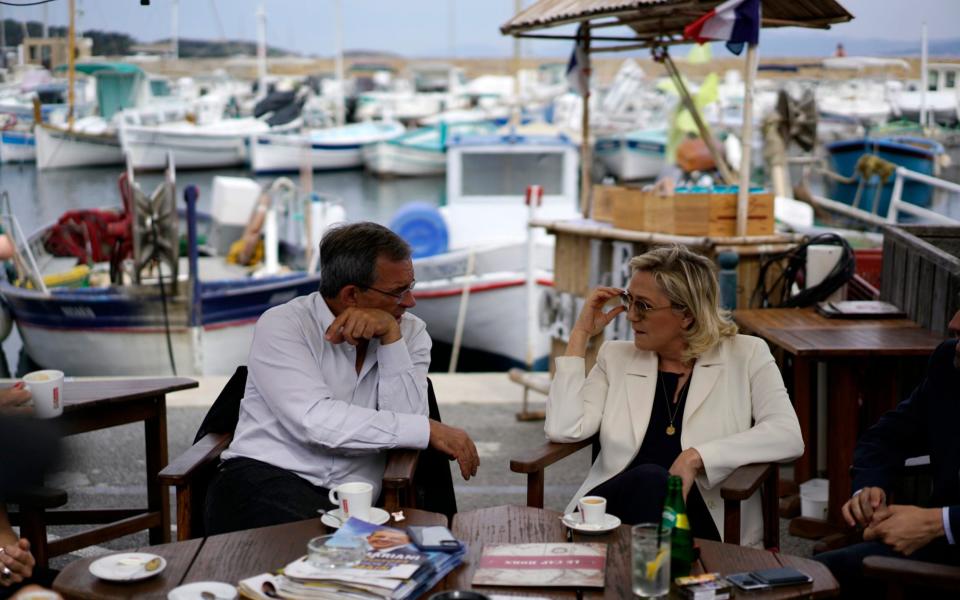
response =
{"points": [[325, 552]]}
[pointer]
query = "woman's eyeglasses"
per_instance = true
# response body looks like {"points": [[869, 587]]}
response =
{"points": [[641, 307], [398, 296]]}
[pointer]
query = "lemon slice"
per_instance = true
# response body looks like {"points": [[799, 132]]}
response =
{"points": [[654, 565]]}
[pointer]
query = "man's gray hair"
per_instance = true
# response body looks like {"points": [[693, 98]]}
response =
{"points": [[349, 253]]}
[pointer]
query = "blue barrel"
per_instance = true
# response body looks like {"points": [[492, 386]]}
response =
{"points": [[422, 226]]}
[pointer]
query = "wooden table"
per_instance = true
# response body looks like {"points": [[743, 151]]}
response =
{"points": [[90, 405], [522, 524], [866, 359], [228, 557]]}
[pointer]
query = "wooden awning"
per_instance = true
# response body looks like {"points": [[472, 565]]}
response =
{"points": [[665, 18]]}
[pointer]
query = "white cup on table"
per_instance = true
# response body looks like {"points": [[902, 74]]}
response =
{"points": [[593, 509], [354, 499], [46, 388]]}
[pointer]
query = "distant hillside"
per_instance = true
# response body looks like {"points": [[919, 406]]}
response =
{"points": [[220, 49]]}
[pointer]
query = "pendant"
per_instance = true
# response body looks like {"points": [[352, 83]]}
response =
{"points": [[671, 430]]}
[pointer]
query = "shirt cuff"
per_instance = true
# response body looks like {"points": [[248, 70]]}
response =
{"points": [[413, 431], [946, 525], [393, 359]]}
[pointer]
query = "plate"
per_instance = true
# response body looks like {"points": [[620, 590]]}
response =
{"points": [[378, 516], [194, 591], [572, 520], [128, 566]]}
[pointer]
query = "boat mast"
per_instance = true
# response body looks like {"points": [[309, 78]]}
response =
{"points": [[71, 63], [175, 35], [261, 51], [923, 75], [338, 61]]}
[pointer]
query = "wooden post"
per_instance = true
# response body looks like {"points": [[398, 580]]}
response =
{"points": [[586, 156], [743, 193]]}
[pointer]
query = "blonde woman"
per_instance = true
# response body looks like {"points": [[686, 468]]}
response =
{"points": [[688, 396]]}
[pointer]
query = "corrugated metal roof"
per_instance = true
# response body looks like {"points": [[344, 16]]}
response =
{"points": [[668, 17]]}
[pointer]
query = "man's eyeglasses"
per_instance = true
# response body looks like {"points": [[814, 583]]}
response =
{"points": [[641, 307], [398, 296]]}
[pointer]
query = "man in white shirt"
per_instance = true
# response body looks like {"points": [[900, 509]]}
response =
{"points": [[334, 379]]}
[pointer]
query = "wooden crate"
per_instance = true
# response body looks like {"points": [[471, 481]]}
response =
{"points": [[715, 215], [642, 210], [921, 272], [602, 202]]}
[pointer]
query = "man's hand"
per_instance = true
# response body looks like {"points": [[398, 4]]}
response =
{"points": [[687, 465], [859, 509], [17, 559], [456, 444], [356, 324], [906, 529]]}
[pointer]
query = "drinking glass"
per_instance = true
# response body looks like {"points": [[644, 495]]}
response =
{"points": [[327, 553], [651, 560]]}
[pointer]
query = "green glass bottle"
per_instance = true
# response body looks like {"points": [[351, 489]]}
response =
{"points": [[675, 519]]}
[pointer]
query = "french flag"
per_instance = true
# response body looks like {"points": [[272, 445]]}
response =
{"points": [[736, 22]]}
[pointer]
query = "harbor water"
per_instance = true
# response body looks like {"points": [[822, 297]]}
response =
{"points": [[38, 199]]}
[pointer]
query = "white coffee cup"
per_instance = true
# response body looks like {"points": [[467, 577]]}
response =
{"points": [[354, 499], [593, 509], [46, 388]]}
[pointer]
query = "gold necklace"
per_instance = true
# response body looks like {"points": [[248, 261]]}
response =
{"points": [[671, 417]]}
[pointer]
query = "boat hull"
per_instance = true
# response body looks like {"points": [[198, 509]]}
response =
{"points": [[62, 149], [283, 154], [147, 148], [17, 146], [630, 159], [388, 159]]}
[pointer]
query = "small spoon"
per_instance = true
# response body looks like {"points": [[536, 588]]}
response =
{"points": [[330, 514]]}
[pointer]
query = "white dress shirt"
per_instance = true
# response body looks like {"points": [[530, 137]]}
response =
{"points": [[306, 410]]}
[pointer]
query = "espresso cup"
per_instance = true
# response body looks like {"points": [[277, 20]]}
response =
{"points": [[46, 388], [592, 509], [354, 499]]}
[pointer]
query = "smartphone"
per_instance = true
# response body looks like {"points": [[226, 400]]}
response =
{"points": [[747, 582], [782, 576], [433, 538]]}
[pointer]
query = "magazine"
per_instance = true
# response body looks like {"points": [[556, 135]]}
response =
{"points": [[542, 565], [393, 568]]}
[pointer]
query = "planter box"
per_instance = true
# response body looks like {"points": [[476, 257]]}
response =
{"points": [[642, 210], [921, 272], [700, 214]]}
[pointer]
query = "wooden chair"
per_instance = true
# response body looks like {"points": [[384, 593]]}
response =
{"points": [[32, 517], [739, 486], [191, 472]]}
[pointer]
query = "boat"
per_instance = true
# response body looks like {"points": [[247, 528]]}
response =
{"points": [[918, 154], [17, 146], [419, 152], [941, 100], [118, 317], [319, 149], [471, 255], [632, 155]]}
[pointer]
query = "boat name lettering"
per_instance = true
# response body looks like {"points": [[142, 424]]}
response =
{"points": [[81, 312]]}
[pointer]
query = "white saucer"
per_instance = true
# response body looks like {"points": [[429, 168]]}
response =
{"points": [[572, 520], [128, 566], [194, 591], [378, 516]]}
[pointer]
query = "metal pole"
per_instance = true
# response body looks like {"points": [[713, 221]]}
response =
{"points": [[923, 75], [71, 64], [261, 51], [743, 193], [175, 34], [338, 61], [586, 155]]}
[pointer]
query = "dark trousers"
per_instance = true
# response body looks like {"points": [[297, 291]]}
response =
{"points": [[637, 494], [246, 493], [846, 564]]}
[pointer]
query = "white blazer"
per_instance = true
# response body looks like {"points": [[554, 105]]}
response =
{"points": [[737, 412]]}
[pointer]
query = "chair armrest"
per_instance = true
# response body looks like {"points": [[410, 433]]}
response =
{"points": [[543, 456], [742, 483], [401, 463], [902, 570], [181, 470]]}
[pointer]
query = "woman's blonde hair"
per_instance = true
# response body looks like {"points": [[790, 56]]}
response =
{"points": [[689, 281]]}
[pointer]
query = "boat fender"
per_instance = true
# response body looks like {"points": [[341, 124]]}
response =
{"points": [[548, 305], [6, 320], [423, 227]]}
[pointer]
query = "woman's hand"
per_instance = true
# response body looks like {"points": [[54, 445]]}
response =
{"points": [[686, 466], [592, 318], [13, 400], [17, 559]]}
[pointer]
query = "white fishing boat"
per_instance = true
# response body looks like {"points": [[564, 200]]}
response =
{"points": [[419, 152], [941, 101], [17, 146], [632, 155], [319, 149], [470, 256], [194, 146]]}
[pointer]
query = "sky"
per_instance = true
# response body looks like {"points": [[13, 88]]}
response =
{"points": [[421, 28]]}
